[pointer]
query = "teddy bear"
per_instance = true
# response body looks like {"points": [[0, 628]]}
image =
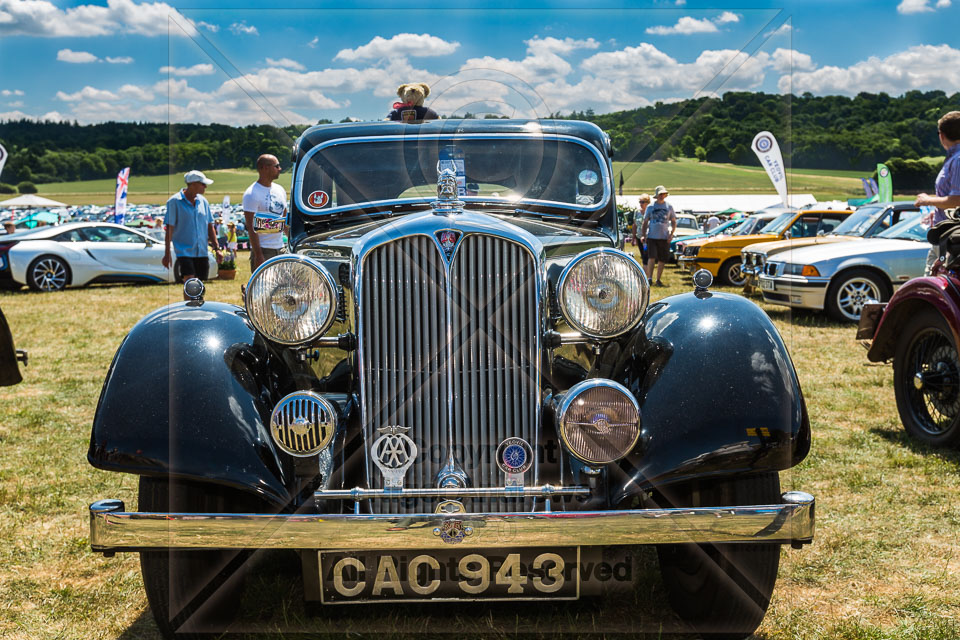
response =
{"points": [[410, 108]]}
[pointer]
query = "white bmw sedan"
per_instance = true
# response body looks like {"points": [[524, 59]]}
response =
{"points": [[80, 253]]}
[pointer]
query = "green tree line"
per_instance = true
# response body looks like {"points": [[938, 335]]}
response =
{"points": [[819, 132]]}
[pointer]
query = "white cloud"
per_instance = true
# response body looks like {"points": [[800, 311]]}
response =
{"points": [[543, 62], [790, 60], [943, 4], [195, 70], [687, 25], [15, 103], [913, 6], [119, 60], [786, 27], [286, 62], [919, 67], [87, 93], [75, 57], [681, 3], [400, 45], [51, 116], [212, 28], [135, 93], [44, 19], [242, 28], [9, 92], [313, 43]]}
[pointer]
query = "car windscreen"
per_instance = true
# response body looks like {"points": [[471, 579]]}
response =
{"points": [[859, 221], [778, 224], [687, 223], [914, 228], [542, 170]]}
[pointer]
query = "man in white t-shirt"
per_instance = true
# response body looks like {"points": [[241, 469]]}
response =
{"points": [[264, 196]]}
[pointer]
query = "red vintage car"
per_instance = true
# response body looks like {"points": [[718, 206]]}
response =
{"points": [[919, 328]]}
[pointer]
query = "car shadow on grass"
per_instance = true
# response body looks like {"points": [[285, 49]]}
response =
{"points": [[901, 438]]}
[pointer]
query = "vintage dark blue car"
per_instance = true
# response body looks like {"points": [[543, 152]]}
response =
{"points": [[453, 387]]}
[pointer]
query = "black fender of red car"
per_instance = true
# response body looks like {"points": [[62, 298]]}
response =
{"points": [[718, 394], [188, 395], [937, 292]]}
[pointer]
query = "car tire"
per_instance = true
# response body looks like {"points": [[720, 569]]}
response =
{"points": [[926, 380], [48, 273], [192, 593], [850, 290], [730, 273], [723, 590]]}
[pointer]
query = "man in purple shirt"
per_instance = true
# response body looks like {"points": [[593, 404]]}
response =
{"points": [[947, 185], [948, 180]]}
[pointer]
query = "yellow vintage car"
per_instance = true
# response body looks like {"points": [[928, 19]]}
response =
{"points": [[721, 256]]}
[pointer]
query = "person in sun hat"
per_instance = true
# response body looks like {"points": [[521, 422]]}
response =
{"points": [[659, 224], [189, 227]]}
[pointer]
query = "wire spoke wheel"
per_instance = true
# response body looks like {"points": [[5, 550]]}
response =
{"points": [[927, 380]]}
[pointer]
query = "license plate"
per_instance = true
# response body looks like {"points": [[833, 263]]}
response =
{"points": [[441, 574], [768, 285]]}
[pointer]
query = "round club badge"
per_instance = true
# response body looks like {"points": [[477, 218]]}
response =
{"points": [[764, 143], [884, 172], [318, 199], [514, 455]]}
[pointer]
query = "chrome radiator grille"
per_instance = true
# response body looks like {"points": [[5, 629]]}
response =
{"points": [[463, 338]]}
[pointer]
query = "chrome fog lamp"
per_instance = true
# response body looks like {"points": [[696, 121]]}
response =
{"points": [[603, 293], [303, 423], [599, 421], [291, 299]]}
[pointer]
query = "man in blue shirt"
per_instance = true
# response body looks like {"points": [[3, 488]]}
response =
{"points": [[189, 226], [947, 185]]}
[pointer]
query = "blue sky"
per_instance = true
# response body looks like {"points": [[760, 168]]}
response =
{"points": [[186, 62]]}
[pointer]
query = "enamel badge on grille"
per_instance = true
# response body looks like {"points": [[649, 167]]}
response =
{"points": [[393, 453], [448, 240], [514, 457]]}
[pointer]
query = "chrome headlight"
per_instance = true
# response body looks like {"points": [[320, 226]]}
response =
{"points": [[603, 293], [291, 299], [599, 421]]}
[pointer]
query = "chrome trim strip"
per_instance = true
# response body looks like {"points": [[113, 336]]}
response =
{"points": [[296, 187], [112, 529], [544, 491]]}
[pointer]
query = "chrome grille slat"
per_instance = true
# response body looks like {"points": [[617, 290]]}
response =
{"points": [[491, 369]]}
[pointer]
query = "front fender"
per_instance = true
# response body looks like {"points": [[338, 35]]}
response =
{"points": [[717, 390], [187, 395], [937, 292]]}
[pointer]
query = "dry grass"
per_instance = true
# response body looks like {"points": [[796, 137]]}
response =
{"points": [[884, 564]]}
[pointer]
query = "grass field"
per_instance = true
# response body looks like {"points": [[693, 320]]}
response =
{"points": [[884, 565], [683, 177]]}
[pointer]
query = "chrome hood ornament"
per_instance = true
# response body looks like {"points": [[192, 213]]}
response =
{"points": [[448, 199], [394, 453]]}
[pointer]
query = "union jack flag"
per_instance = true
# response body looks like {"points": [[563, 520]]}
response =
{"points": [[120, 203]]}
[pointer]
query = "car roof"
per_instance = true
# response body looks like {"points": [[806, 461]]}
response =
{"points": [[588, 131]]}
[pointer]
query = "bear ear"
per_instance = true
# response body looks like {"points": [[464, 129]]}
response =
{"points": [[426, 89], [400, 90]]}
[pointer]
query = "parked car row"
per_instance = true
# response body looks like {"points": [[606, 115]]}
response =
{"points": [[81, 253]]}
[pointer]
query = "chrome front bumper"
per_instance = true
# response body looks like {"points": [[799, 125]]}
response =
{"points": [[112, 529]]}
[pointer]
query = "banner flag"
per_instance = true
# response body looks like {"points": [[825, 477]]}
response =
{"points": [[767, 149], [866, 187], [226, 203], [885, 180], [873, 187], [120, 202], [3, 157], [621, 183]]}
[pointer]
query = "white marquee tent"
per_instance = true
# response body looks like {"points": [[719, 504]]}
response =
{"points": [[721, 202]]}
